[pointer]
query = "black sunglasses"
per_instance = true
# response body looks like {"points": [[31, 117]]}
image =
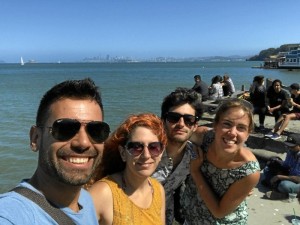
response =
{"points": [[174, 117], [64, 129], [137, 148]]}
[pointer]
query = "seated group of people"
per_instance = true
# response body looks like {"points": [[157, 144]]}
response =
{"points": [[282, 176], [275, 101], [219, 88]]}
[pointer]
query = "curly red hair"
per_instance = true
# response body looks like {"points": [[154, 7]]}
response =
{"points": [[111, 160]]}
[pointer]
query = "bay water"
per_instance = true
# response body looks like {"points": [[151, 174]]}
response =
{"points": [[126, 88]]}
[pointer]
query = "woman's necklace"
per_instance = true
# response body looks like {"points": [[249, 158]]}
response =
{"points": [[124, 183]]}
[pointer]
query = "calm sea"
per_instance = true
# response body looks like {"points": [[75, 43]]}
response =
{"points": [[126, 88]]}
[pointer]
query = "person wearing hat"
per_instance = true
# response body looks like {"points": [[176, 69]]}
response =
{"points": [[284, 119], [290, 183]]}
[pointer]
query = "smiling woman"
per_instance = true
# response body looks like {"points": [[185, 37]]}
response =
{"points": [[127, 192], [225, 171]]}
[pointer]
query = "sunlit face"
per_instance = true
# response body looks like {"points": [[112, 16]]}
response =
{"points": [[180, 132], [277, 87], [144, 164], [72, 161], [232, 130]]}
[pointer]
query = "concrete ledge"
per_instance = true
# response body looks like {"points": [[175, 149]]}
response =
{"points": [[256, 142], [263, 156]]}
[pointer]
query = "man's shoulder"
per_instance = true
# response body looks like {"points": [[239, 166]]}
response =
{"points": [[12, 197], [203, 84], [85, 199], [17, 209], [285, 93], [20, 210]]}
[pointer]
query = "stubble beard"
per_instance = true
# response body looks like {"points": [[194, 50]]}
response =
{"points": [[179, 139], [73, 177]]}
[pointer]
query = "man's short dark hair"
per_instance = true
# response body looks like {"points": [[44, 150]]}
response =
{"points": [[77, 89], [179, 97], [198, 77], [277, 81]]}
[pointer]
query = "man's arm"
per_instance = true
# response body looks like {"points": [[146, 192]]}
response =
{"points": [[295, 179], [197, 136]]}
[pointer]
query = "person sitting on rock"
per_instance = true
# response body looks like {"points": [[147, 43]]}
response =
{"points": [[283, 184], [201, 87], [215, 90], [284, 119], [227, 85], [258, 99], [277, 99]]}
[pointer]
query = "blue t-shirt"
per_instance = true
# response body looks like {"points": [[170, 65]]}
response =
{"points": [[17, 209], [292, 161]]}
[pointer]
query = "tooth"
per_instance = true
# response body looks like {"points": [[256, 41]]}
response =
{"points": [[78, 160]]}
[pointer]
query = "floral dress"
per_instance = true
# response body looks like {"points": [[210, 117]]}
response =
{"points": [[195, 210]]}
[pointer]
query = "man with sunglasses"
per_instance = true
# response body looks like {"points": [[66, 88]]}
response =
{"points": [[180, 112], [69, 135]]}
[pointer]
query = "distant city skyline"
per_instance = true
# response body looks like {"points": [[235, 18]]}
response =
{"points": [[67, 31], [109, 58]]}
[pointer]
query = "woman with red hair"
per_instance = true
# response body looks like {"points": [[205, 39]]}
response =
{"points": [[126, 193]]}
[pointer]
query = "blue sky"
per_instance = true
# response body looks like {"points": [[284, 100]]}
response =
{"points": [[72, 30]]}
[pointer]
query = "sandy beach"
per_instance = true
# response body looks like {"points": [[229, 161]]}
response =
{"points": [[263, 211]]}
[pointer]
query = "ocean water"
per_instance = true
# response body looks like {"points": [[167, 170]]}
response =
{"points": [[126, 88]]}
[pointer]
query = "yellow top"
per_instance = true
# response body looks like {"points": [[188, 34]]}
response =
{"points": [[125, 212]]}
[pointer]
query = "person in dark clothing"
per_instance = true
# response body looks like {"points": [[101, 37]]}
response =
{"points": [[258, 100], [228, 86], [294, 114], [201, 87], [277, 98]]}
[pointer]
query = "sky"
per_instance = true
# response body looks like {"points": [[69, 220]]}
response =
{"points": [[68, 30]]}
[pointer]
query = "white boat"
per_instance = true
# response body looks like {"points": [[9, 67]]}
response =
{"points": [[291, 60], [22, 62]]}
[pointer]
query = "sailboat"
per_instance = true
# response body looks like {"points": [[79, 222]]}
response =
{"points": [[22, 62]]}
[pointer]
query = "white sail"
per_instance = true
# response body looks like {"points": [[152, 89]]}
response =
{"points": [[22, 62]]}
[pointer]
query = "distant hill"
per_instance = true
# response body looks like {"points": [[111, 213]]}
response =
{"points": [[271, 51]]}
